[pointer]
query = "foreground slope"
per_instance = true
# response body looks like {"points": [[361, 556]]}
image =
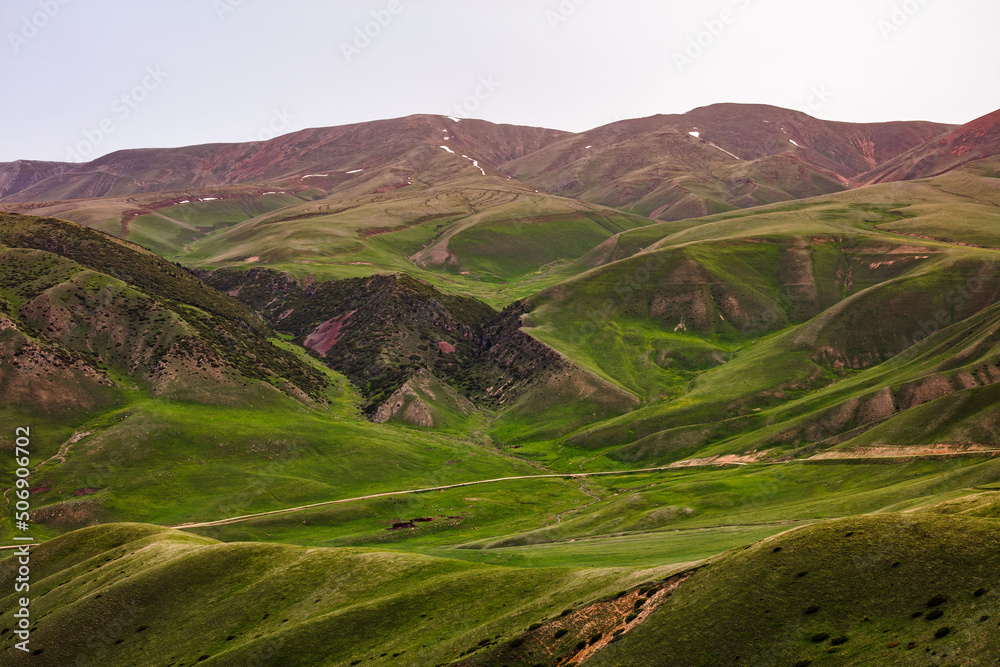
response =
{"points": [[873, 590], [87, 317], [134, 594]]}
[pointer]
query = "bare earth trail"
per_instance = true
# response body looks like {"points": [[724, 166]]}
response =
{"points": [[679, 465]]}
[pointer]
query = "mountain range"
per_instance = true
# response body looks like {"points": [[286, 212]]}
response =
{"points": [[541, 397]]}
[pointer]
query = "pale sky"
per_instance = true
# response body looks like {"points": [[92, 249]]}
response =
{"points": [[82, 78]]}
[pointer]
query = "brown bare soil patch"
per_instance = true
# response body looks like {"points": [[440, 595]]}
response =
{"points": [[402, 525], [327, 334], [68, 515], [907, 451], [729, 459], [579, 634]]}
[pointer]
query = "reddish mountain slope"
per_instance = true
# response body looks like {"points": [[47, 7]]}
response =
{"points": [[972, 141], [21, 174], [712, 159], [411, 144], [715, 158]]}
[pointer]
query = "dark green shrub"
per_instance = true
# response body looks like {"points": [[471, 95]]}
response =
{"points": [[820, 637], [560, 633], [837, 641]]}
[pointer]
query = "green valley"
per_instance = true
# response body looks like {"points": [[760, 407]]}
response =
{"points": [[369, 399]]}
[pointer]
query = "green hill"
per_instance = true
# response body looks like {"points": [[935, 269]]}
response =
{"points": [[811, 320], [133, 594], [874, 590]]}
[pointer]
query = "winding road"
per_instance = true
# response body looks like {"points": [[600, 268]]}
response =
{"points": [[680, 465]]}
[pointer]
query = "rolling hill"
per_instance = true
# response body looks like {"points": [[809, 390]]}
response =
{"points": [[83, 310], [415, 353], [880, 590], [784, 306]]}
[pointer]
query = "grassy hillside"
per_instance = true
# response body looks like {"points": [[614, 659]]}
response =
{"points": [[142, 462], [796, 324], [481, 237], [89, 321], [150, 384], [875, 590], [640, 518], [128, 594], [425, 357], [878, 589]]}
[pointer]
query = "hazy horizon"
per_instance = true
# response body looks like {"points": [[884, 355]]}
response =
{"points": [[87, 80]]}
